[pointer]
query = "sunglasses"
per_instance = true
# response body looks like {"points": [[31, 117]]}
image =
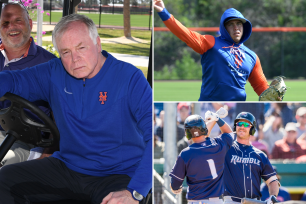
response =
{"points": [[245, 124]]}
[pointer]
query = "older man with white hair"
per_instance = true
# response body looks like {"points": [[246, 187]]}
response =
{"points": [[288, 147], [103, 110]]}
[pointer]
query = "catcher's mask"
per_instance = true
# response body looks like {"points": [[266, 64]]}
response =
{"points": [[195, 126], [249, 117]]}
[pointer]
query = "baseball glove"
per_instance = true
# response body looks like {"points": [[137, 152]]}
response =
{"points": [[276, 91]]}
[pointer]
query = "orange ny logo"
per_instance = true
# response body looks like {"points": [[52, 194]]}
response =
{"points": [[103, 97]]}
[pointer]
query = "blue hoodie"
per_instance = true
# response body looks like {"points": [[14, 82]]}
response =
{"points": [[226, 65]]}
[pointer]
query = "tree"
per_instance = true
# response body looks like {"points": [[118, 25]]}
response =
{"points": [[126, 16]]}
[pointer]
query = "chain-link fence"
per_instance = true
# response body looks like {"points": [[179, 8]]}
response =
{"points": [[161, 195], [105, 13]]}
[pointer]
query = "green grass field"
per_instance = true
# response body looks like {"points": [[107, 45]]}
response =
{"points": [[190, 91], [106, 19]]}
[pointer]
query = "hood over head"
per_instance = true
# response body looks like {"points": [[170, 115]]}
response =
{"points": [[231, 14]]}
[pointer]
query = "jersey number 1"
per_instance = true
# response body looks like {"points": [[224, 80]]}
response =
{"points": [[212, 168]]}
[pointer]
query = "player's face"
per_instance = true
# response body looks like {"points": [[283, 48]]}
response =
{"points": [[235, 29], [242, 131], [15, 27], [80, 56]]}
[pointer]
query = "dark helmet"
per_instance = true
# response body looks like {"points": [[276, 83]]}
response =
{"points": [[249, 117], [196, 122]]}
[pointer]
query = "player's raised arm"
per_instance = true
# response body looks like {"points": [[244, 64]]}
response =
{"points": [[199, 43]]}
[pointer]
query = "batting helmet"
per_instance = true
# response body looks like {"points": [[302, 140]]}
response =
{"points": [[249, 117], [195, 126]]}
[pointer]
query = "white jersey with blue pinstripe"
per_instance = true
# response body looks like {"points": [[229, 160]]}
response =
{"points": [[245, 165], [203, 164]]}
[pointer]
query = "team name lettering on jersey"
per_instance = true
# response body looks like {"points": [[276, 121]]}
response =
{"points": [[236, 159]]}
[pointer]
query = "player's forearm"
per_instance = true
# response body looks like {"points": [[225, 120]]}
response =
{"points": [[257, 78], [224, 127], [210, 126], [273, 188]]}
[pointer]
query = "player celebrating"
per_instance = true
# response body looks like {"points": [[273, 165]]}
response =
{"points": [[245, 165], [226, 62], [202, 163]]}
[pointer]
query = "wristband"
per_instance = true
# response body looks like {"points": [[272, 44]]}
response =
{"points": [[220, 122], [164, 14]]}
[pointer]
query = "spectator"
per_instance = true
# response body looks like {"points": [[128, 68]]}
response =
{"points": [[301, 121], [159, 148], [273, 130], [283, 109], [182, 144], [259, 144], [283, 194], [183, 110], [180, 132], [288, 148], [19, 51]]}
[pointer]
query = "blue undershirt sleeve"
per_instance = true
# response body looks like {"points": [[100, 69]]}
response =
{"points": [[164, 14], [140, 103]]}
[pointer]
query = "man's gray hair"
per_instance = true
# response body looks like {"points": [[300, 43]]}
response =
{"points": [[63, 24], [24, 9]]}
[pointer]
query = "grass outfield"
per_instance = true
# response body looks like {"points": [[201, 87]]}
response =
{"points": [[106, 19], [190, 91]]}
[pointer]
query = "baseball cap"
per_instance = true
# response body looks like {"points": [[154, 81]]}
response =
{"points": [[291, 127], [301, 111], [235, 18], [181, 105]]}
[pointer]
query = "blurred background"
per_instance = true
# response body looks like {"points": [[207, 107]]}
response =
{"points": [[271, 118], [281, 51]]}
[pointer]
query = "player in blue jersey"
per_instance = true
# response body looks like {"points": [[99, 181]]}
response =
{"points": [[245, 165], [202, 163]]}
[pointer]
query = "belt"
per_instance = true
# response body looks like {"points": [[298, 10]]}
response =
{"points": [[236, 199], [211, 199]]}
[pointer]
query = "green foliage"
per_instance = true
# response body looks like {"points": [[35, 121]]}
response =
{"points": [[186, 68], [51, 49]]}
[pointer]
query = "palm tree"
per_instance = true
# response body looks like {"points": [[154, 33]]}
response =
{"points": [[126, 18]]}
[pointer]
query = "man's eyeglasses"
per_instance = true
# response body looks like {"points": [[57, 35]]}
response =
{"points": [[245, 124]]}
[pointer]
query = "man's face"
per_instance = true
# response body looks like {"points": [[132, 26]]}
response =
{"points": [[301, 119], [79, 55], [184, 113], [291, 136], [235, 29], [243, 132], [15, 26]]}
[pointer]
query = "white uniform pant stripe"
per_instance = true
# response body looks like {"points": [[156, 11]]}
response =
{"points": [[215, 200]]}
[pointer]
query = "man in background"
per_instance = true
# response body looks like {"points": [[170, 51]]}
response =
{"points": [[19, 51]]}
